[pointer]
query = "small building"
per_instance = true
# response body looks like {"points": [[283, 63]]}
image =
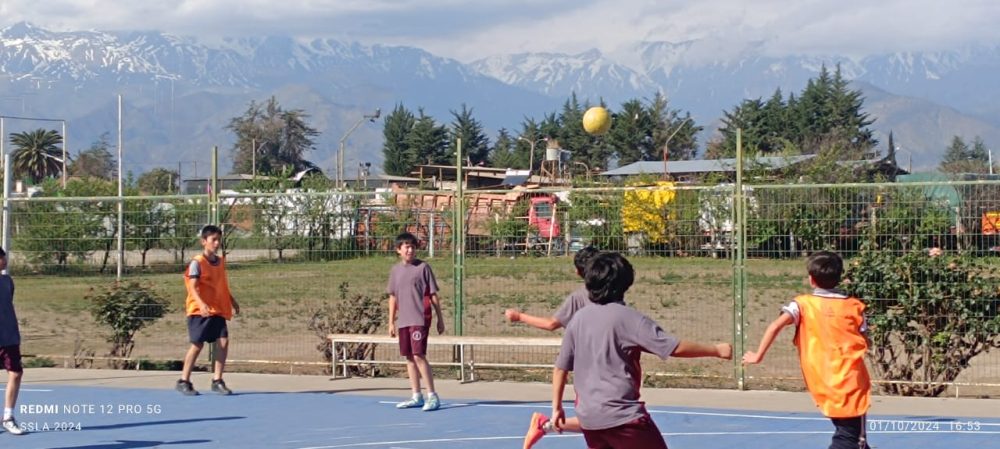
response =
{"points": [[695, 170], [380, 181], [198, 186]]}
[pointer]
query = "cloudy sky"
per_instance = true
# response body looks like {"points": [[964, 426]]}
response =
{"points": [[471, 29]]}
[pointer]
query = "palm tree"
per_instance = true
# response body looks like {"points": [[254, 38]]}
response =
{"points": [[37, 154]]}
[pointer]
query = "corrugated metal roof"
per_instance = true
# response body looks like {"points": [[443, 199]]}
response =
{"points": [[701, 165]]}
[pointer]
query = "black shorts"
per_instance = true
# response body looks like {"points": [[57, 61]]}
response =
{"points": [[206, 329], [10, 358]]}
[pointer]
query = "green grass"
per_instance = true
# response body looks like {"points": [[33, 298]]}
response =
{"points": [[690, 297]]}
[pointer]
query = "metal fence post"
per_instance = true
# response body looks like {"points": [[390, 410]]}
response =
{"points": [[5, 239], [459, 240], [430, 235], [739, 265]]}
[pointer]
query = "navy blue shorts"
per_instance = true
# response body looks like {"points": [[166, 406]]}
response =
{"points": [[10, 358], [206, 329]]}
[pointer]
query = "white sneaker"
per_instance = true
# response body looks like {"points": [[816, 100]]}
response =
{"points": [[433, 403], [11, 427], [416, 401]]}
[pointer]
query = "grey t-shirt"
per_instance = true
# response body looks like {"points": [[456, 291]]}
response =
{"points": [[409, 283], [572, 304], [10, 334], [602, 346]]}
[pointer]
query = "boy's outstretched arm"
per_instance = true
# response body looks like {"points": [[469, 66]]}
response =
{"points": [[547, 324], [693, 349], [558, 386], [769, 335]]}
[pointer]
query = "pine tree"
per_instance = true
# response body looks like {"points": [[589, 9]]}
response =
{"points": [[475, 144], [530, 132], [954, 156], [428, 142], [502, 155], [398, 158], [669, 124], [631, 133]]}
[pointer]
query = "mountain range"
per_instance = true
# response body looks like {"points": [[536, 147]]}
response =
{"points": [[180, 93]]}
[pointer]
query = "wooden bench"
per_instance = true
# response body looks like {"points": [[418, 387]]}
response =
{"points": [[464, 344]]}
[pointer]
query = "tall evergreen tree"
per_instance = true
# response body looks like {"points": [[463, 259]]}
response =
{"points": [[746, 116], [475, 144], [955, 156], [398, 158], [631, 133], [962, 158], [593, 151], [668, 123], [428, 141], [531, 132], [502, 155]]}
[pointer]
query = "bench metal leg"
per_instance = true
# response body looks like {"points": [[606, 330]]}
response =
{"points": [[461, 362], [344, 359], [333, 359]]}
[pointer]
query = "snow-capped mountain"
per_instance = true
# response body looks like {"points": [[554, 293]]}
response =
{"points": [[181, 93], [588, 73]]}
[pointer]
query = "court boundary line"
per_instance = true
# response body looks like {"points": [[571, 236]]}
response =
{"points": [[929, 419]]}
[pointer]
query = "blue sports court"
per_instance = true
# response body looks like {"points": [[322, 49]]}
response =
{"points": [[75, 417]]}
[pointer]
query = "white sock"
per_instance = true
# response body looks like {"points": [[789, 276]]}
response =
{"points": [[8, 413], [548, 427], [431, 394], [417, 396]]}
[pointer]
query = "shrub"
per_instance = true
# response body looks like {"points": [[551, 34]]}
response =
{"points": [[352, 314], [125, 308], [928, 316]]}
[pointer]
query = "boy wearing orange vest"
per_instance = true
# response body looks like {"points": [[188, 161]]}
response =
{"points": [[830, 333], [209, 305]]}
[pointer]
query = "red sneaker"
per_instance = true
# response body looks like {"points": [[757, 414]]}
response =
{"points": [[535, 431]]}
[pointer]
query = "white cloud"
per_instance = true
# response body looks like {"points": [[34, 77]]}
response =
{"points": [[469, 29]]}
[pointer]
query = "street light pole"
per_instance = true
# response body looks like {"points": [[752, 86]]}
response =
{"points": [[343, 140], [531, 151], [666, 146], [64, 154]]}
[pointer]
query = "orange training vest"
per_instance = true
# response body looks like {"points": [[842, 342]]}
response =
{"points": [[213, 287], [832, 354]]}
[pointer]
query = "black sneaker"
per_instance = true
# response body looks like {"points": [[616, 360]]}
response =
{"points": [[219, 386], [186, 388]]}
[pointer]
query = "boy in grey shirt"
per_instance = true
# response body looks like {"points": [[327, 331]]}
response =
{"points": [[578, 299], [602, 346], [409, 281]]}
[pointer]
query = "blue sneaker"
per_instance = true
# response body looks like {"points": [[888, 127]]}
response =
{"points": [[433, 403], [416, 401]]}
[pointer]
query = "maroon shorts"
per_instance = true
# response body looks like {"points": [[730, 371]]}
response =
{"points": [[10, 357], [413, 340], [639, 433]]}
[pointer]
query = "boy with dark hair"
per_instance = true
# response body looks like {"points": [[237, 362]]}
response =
{"points": [[602, 346], [409, 281], [830, 330], [209, 305], [578, 299], [10, 348]]}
